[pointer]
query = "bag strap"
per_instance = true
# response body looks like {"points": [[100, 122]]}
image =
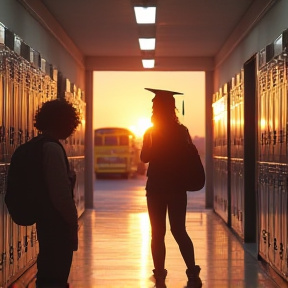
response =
{"points": [[46, 139]]}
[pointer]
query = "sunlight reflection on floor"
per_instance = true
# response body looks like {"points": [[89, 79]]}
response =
{"points": [[114, 251]]}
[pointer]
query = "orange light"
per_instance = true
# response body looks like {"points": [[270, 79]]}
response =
{"points": [[142, 125]]}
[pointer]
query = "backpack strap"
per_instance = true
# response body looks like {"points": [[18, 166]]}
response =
{"points": [[46, 139]]}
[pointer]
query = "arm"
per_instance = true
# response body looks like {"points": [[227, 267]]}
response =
{"points": [[59, 185], [146, 148]]}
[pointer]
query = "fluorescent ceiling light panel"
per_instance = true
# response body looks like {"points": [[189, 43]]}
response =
{"points": [[145, 15], [147, 43], [148, 63]]}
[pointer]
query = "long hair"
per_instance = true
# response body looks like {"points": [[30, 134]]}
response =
{"points": [[165, 114]]}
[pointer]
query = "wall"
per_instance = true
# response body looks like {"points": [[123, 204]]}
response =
{"points": [[265, 32], [17, 19]]}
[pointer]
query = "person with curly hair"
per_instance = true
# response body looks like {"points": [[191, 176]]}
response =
{"points": [[57, 224], [163, 148]]}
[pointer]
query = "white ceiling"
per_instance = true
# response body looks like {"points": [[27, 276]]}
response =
{"points": [[184, 28]]}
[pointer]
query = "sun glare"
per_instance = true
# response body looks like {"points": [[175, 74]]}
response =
{"points": [[142, 125]]}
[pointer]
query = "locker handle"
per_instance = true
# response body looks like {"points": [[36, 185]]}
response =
{"points": [[275, 244], [281, 251], [1, 261], [19, 249], [281, 136], [264, 235], [11, 255], [26, 243]]}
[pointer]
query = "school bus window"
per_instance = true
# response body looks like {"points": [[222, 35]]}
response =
{"points": [[98, 141], [110, 140], [123, 140]]}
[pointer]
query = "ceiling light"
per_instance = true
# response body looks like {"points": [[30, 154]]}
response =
{"points": [[147, 43], [145, 15], [148, 63]]}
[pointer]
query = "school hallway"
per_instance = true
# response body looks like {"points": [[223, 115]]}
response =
{"points": [[114, 245]]}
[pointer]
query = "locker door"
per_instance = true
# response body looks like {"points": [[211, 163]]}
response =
{"points": [[283, 111], [270, 116], [271, 218], [2, 219], [277, 218], [284, 242], [233, 196], [283, 222], [276, 122], [263, 210], [241, 196]]}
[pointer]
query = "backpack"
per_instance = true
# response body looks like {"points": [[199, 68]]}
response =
{"points": [[194, 173], [26, 189]]}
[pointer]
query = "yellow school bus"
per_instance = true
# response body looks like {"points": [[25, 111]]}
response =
{"points": [[115, 152]]}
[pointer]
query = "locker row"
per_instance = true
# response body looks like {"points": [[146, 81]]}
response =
{"points": [[231, 157], [272, 193], [26, 82]]}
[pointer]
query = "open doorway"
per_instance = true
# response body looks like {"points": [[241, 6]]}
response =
{"points": [[120, 100]]}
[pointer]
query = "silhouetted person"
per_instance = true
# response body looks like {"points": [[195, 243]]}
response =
{"points": [[57, 224], [163, 148]]}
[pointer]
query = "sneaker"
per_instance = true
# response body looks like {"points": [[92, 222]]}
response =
{"points": [[160, 276], [193, 277]]}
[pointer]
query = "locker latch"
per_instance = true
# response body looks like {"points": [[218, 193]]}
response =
{"points": [[26, 243], [275, 244], [19, 249], [3, 260], [281, 251], [11, 255], [264, 235], [281, 136]]}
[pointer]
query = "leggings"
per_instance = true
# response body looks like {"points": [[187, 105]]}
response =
{"points": [[176, 205]]}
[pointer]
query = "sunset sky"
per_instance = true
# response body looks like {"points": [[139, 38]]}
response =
{"points": [[120, 99]]}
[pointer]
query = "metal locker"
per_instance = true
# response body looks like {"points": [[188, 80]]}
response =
{"points": [[233, 195], [217, 110], [216, 177], [239, 114], [220, 186], [271, 115], [271, 211], [276, 112], [236, 196], [283, 111], [233, 119], [263, 210], [240, 197], [2, 219], [262, 112], [224, 120], [277, 216], [283, 245]]}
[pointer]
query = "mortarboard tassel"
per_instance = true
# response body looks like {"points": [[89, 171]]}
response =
{"points": [[183, 110]]}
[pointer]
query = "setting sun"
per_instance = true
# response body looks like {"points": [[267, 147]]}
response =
{"points": [[142, 125]]}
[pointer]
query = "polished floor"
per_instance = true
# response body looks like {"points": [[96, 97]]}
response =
{"points": [[114, 245]]}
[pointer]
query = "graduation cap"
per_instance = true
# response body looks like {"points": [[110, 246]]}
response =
{"points": [[165, 98]]}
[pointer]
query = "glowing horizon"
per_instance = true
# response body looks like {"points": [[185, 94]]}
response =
{"points": [[120, 99]]}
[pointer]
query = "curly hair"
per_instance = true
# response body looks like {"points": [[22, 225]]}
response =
{"points": [[57, 115]]}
